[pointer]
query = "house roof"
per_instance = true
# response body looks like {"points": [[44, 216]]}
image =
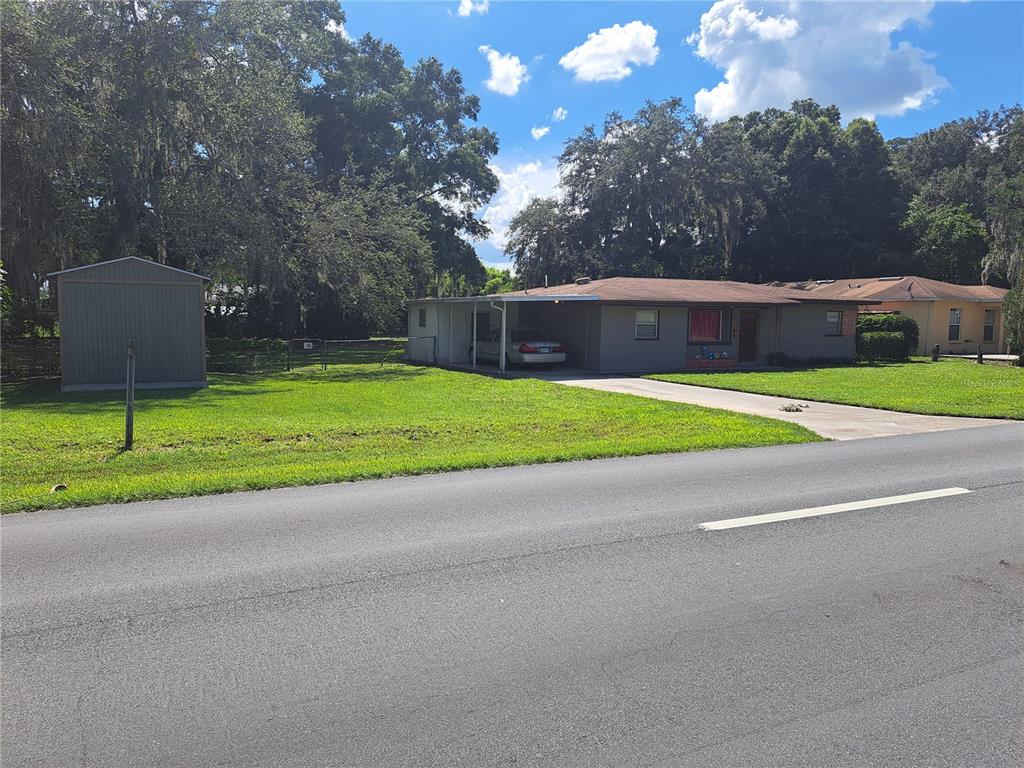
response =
{"points": [[148, 262], [906, 288], [671, 291]]}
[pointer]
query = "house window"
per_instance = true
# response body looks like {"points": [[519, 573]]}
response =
{"points": [[954, 325], [423, 317], [990, 325], [647, 324], [709, 326], [833, 323]]}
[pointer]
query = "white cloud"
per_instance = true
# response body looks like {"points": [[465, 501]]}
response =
{"points": [[539, 133], [469, 7], [517, 187], [507, 72], [607, 53], [336, 28], [559, 114], [836, 53]]}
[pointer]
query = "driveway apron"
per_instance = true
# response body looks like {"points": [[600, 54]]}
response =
{"points": [[830, 420]]}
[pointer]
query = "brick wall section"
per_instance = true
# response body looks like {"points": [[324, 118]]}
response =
{"points": [[849, 322]]}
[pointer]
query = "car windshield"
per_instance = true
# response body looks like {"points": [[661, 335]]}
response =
{"points": [[527, 334]]}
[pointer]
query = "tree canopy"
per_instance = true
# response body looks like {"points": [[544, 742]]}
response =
{"points": [[319, 181], [779, 195]]}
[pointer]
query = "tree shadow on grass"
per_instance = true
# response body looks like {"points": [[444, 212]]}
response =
{"points": [[43, 394], [345, 374]]}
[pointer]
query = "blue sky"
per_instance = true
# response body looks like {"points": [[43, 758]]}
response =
{"points": [[910, 65]]}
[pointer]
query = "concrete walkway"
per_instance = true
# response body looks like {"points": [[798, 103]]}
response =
{"points": [[836, 422]]}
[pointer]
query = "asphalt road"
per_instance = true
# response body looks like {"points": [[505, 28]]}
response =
{"points": [[562, 615]]}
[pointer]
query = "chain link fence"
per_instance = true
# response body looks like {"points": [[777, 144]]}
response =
{"points": [[26, 358], [29, 357], [274, 355]]}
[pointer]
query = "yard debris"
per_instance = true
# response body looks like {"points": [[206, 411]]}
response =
{"points": [[792, 408], [58, 487]]}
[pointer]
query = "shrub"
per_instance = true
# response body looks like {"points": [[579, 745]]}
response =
{"points": [[882, 345], [890, 321]]}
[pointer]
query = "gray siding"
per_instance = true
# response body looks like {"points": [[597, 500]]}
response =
{"points": [[451, 326], [103, 307], [622, 351], [421, 346], [802, 333]]}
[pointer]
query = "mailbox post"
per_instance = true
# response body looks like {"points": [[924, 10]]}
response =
{"points": [[129, 399]]}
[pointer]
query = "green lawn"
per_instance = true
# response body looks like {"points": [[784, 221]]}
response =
{"points": [[948, 387], [352, 421]]}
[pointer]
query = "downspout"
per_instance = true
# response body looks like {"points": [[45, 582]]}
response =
{"points": [[586, 336], [501, 349], [778, 336], [927, 329], [474, 336]]}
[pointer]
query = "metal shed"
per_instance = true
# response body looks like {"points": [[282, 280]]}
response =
{"points": [[103, 306]]}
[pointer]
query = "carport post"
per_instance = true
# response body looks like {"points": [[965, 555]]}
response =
{"points": [[474, 336], [504, 306]]}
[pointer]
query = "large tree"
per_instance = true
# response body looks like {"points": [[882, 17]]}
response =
{"points": [[626, 190], [312, 177]]}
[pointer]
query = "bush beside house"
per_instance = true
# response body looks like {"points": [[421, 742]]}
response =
{"points": [[886, 336], [882, 345]]}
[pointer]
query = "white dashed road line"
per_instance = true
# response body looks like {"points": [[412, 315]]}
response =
{"points": [[830, 509]]}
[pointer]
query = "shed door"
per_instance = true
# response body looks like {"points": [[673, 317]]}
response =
{"points": [[748, 336]]}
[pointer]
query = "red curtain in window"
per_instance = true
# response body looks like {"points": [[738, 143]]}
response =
{"points": [[705, 324]]}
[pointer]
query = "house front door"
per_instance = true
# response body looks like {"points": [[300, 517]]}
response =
{"points": [[748, 336]]}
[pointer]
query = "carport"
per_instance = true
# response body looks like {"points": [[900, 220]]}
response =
{"points": [[444, 330]]}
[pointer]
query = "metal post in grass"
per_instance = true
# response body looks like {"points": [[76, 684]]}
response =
{"points": [[981, 356], [129, 399], [323, 354]]}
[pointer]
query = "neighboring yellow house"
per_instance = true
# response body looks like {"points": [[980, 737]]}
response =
{"points": [[959, 318]]}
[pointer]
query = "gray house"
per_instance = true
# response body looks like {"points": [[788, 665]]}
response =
{"points": [[103, 306], [630, 324]]}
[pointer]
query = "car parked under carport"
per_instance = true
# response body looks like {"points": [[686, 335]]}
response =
{"points": [[523, 346]]}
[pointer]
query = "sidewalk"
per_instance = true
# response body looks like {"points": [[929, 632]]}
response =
{"points": [[831, 420]]}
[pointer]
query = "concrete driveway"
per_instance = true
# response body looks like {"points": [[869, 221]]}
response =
{"points": [[831, 420]]}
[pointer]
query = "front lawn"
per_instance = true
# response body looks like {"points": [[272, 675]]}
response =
{"points": [[350, 422], [948, 387]]}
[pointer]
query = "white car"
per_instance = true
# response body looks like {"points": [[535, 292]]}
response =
{"points": [[522, 346]]}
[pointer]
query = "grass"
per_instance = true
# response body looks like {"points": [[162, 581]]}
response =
{"points": [[948, 388], [350, 422]]}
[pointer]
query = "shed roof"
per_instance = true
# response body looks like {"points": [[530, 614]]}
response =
{"points": [[148, 262], [902, 288], [673, 291]]}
